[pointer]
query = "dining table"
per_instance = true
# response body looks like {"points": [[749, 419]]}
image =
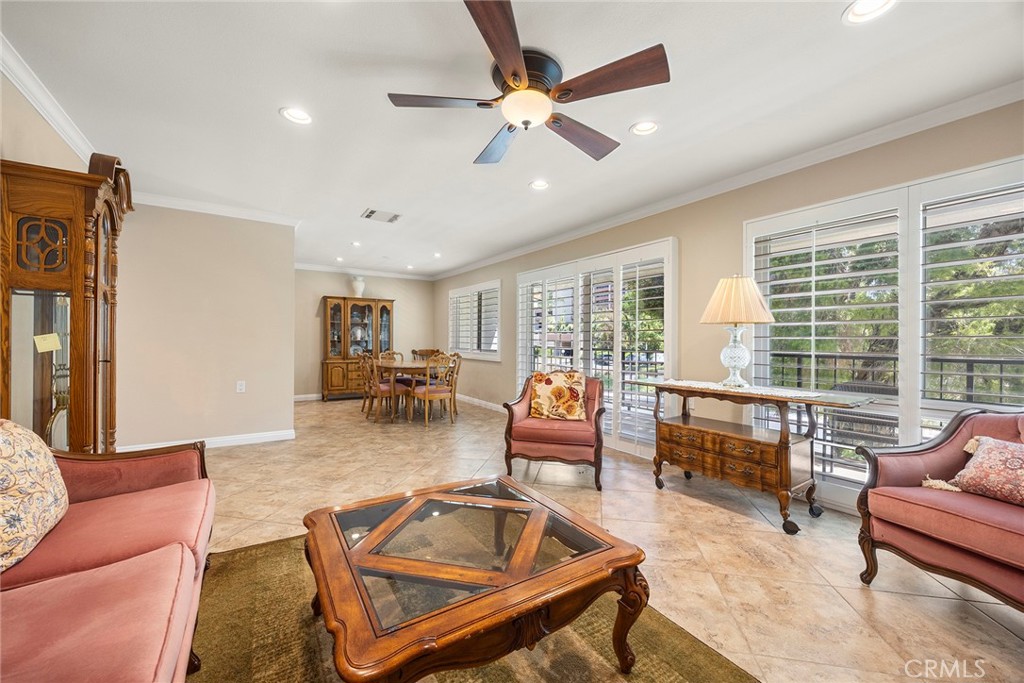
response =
{"points": [[413, 368]]}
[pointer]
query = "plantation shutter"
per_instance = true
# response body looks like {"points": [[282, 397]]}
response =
{"points": [[473, 317], [972, 296], [642, 334]]}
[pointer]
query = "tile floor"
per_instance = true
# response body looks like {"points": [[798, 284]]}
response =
{"points": [[785, 608]]}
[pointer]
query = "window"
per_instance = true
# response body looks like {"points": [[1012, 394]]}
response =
{"points": [[609, 317], [473, 320], [914, 295], [973, 299]]}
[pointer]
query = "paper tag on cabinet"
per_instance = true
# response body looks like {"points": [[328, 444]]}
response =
{"points": [[47, 342]]}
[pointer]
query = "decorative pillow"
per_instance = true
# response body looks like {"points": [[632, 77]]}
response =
{"points": [[32, 493], [559, 395], [996, 471]]}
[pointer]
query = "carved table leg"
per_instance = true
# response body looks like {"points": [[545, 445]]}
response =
{"points": [[658, 462], [788, 525], [635, 593], [813, 509], [314, 604]]}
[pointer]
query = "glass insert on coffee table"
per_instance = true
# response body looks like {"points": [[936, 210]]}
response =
{"points": [[459, 575]]}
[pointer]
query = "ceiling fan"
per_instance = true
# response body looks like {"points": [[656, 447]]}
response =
{"points": [[530, 80]]}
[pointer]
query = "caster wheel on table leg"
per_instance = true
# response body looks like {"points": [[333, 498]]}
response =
{"points": [[688, 474], [790, 527], [815, 510], [659, 483]]}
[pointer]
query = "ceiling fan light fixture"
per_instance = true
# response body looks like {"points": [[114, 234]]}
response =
{"points": [[296, 115], [539, 184], [863, 11], [526, 108], [643, 128]]}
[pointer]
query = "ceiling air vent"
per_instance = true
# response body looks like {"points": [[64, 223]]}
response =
{"points": [[382, 216]]}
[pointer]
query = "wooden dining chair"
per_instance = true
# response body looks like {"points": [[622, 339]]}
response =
{"points": [[379, 390], [424, 354], [405, 380], [439, 388]]}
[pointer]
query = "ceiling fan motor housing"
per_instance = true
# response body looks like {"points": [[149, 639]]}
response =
{"points": [[542, 71]]}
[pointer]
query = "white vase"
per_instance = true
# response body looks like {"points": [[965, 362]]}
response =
{"points": [[358, 285]]}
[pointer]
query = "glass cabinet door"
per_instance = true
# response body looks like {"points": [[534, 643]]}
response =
{"points": [[385, 327], [361, 328], [335, 327]]}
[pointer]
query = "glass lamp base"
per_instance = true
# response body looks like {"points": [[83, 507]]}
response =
{"points": [[735, 357]]}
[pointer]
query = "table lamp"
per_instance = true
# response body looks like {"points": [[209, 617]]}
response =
{"points": [[736, 302]]}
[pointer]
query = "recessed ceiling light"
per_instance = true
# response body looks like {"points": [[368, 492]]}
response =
{"points": [[643, 128], [339, 259], [296, 115], [539, 184], [437, 254], [863, 11], [355, 244], [409, 267]]}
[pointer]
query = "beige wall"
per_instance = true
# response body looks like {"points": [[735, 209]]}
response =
{"points": [[203, 301], [27, 137], [710, 235], [413, 321]]}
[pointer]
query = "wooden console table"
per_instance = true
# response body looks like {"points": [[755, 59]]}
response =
{"points": [[765, 459]]}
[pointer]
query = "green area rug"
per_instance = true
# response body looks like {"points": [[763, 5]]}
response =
{"points": [[255, 624]]}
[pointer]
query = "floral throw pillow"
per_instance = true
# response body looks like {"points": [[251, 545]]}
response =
{"points": [[996, 471], [32, 493], [559, 395]]}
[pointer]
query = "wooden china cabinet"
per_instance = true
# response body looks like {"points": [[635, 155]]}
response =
{"points": [[58, 300], [352, 327]]}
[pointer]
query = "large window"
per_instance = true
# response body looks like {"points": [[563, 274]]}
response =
{"points": [[607, 316], [473, 319], [914, 296]]}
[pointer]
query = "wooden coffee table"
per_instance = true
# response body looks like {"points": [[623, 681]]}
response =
{"points": [[459, 575]]}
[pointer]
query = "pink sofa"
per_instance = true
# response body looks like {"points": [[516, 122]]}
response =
{"points": [[968, 537], [111, 593]]}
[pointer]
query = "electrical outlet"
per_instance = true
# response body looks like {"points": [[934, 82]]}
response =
{"points": [[240, 386]]}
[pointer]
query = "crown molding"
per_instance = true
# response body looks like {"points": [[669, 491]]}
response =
{"points": [[225, 210], [1007, 94], [26, 81], [358, 271]]}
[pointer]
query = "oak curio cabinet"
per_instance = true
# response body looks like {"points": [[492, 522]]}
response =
{"points": [[58, 300], [352, 327]]}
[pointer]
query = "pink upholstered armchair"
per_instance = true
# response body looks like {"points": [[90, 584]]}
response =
{"points": [[569, 441], [972, 538]]}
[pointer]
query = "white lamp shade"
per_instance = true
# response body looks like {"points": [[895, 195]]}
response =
{"points": [[736, 301], [526, 108]]}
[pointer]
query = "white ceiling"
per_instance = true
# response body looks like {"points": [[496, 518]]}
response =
{"points": [[187, 94]]}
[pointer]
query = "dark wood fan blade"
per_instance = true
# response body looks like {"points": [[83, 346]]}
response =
{"points": [[430, 101], [597, 145], [498, 145], [647, 67], [498, 27]]}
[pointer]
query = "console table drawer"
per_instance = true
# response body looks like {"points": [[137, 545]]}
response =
{"points": [[751, 451], [684, 457], [741, 472], [684, 436]]}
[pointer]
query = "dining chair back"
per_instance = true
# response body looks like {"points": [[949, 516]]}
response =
{"points": [[440, 387], [424, 354], [379, 389]]}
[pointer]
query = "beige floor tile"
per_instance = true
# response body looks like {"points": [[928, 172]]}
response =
{"points": [[920, 628], [765, 555], [693, 600], [261, 532], [805, 622], [745, 661], [776, 670], [1004, 615], [664, 544], [962, 589]]}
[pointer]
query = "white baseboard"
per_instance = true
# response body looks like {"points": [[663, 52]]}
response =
{"points": [[483, 404], [307, 397], [218, 441]]}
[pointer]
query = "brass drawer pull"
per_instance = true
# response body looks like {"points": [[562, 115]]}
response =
{"points": [[691, 438], [747, 471], [746, 449], [691, 457]]}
